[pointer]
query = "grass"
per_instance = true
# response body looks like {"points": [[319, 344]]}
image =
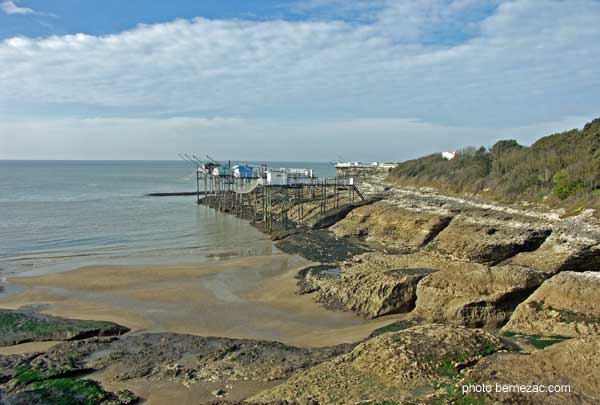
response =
{"points": [[26, 375], [488, 349], [11, 322], [380, 403], [447, 369], [68, 391], [60, 391]]}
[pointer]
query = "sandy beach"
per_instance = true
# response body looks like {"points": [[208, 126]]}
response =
{"points": [[248, 297]]}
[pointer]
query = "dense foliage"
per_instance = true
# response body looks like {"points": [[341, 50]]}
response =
{"points": [[562, 169]]}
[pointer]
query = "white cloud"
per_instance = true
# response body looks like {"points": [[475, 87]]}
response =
{"points": [[368, 139], [9, 7], [530, 62]]}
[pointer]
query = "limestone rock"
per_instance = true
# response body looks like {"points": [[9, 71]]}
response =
{"points": [[26, 326], [333, 215], [574, 363], [392, 225], [373, 284], [367, 293], [568, 304], [475, 295], [562, 252], [391, 367], [488, 240]]}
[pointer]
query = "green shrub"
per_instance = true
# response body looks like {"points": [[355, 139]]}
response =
{"points": [[564, 186], [564, 167]]}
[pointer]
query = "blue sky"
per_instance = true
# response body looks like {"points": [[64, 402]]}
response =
{"points": [[60, 17], [40, 18], [371, 80]]}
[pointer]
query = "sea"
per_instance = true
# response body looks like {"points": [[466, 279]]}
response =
{"points": [[62, 215]]}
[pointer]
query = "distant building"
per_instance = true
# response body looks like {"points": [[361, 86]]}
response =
{"points": [[290, 177], [242, 171], [219, 170], [448, 155], [387, 165], [276, 177], [296, 177], [349, 169]]}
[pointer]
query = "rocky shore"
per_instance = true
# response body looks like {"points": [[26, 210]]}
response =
{"points": [[488, 295], [73, 370], [527, 277]]}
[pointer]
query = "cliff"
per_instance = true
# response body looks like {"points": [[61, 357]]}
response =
{"points": [[560, 170]]}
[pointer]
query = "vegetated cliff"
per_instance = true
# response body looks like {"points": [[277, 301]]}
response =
{"points": [[563, 170]]}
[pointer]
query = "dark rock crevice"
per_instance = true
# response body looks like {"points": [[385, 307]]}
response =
{"points": [[436, 230]]}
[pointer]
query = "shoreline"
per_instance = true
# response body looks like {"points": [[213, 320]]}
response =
{"points": [[251, 297], [398, 300]]}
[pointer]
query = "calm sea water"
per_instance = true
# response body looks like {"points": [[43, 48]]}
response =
{"points": [[66, 214]]}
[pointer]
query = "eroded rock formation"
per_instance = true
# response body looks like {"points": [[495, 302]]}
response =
{"points": [[392, 225], [394, 367], [475, 295], [571, 368], [568, 304]]}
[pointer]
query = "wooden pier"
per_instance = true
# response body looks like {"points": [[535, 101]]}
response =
{"points": [[281, 205], [277, 198]]}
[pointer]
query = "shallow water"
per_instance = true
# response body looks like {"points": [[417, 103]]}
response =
{"points": [[247, 297], [66, 214]]}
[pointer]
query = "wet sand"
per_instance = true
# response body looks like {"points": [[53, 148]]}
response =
{"points": [[27, 348], [249, 297], [162, 392]]}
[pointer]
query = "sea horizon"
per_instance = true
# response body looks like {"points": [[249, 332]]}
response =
{"points": [[61, 215]]}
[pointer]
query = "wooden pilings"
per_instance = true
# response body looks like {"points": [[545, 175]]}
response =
{"points": [[275, 206]]}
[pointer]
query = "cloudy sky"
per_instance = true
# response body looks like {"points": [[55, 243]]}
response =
{"points": [[291, 80]]}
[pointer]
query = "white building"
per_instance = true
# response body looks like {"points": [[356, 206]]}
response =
{"points": [[344, 165], [276, 177], [448, 155], [289, 177]]}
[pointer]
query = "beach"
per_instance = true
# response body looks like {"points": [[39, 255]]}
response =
{"points": [[394, 298], [248, 297]]}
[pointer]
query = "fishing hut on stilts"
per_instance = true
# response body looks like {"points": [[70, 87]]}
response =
{"points": [[278, 197]]}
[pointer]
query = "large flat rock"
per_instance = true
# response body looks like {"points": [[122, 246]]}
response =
{"points": [[373, 284], [25, 326], [392, 225], [367, 293], [571, 367], [180, 360], [562, 252], [568, 304], [475, 295], [488, 240], [394, 367]]}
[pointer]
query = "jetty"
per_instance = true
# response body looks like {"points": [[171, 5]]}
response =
{"points": [[176, 194], [270, 194]]}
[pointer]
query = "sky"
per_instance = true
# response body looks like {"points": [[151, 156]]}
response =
{"points": [[316, 80]]}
